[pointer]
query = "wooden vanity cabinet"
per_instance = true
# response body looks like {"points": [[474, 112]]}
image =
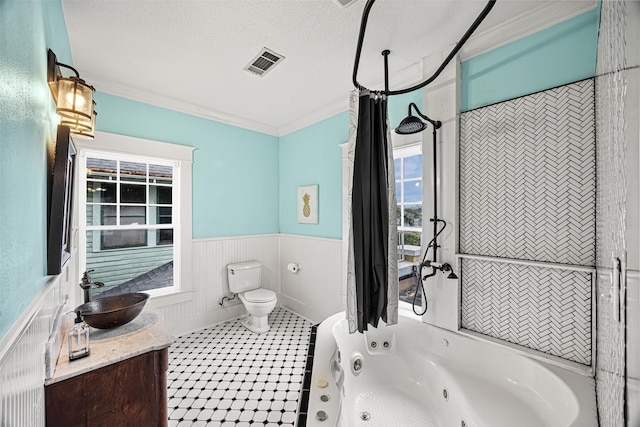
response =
{"points": [[132, 392]]}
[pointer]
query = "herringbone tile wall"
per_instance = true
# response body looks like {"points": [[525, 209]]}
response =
{"points": [[541, 308], [528, 177], [527, 192]]}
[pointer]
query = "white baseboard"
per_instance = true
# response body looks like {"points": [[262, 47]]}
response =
{"points": [[311, 314], [204, 320]]}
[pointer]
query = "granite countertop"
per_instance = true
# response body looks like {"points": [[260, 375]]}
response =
{"points": [[107, 346]]}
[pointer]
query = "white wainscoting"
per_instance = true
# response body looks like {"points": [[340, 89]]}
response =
{"points": [[633, 347], [22, 353], [316, 291], [209, 262]]}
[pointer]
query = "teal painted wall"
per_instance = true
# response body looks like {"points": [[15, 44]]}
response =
{"points": [[244, 182], [561, 54], [312, 155], [235, 171], [27, 137]]}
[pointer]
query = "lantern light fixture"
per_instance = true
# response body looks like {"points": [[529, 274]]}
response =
{"points": [[73, 98]]}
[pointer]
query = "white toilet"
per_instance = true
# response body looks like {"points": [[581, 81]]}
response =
{"points": [[245, 280]]}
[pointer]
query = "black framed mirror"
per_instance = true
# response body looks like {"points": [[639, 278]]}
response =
{"points": [[59, 226]]}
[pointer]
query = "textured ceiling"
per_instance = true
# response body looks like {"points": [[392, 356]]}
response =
{"points": [[189, 55]]}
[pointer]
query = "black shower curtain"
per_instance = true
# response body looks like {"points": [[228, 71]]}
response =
{"points": [[370, 211]]}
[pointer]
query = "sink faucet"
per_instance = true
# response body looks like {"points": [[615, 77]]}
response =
{"points": [[87, 284]]}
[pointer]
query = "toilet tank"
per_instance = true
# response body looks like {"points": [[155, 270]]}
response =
{"points": [[244, 276]]}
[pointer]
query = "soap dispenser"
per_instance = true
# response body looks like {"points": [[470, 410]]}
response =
{"points": [[78, 339]]}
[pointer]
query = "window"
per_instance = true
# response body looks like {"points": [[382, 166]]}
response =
{"points": [[123, 195], [409, 186], [135, 215], [408, 172]]}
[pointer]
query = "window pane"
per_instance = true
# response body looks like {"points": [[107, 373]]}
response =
{"points": [[160, 174], [413, 166], [413, 215], [101, 215], [116, 239], [105, 215], [132, 193], [160, 215], [398, 167], [413, 191], [163, 237], [408, 287], [160, 195], [133, 215], [101, 192], [398, 192], [411, 238], [164, 215], [131, 171], [102, 169], [134, 269]]}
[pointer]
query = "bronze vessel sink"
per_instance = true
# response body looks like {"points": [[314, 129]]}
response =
{"points": [[113, 310]]}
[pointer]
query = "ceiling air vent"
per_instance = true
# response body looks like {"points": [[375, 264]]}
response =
{"points": [[264, 62], [344, 3]]}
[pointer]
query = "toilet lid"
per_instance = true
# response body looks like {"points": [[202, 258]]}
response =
{"points": [[259, 295]]}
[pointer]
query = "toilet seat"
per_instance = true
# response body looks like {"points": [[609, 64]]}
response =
{"points": [[259, 295]]}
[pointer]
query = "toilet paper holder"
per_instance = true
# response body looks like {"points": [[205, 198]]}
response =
{"points": [[292, 267]]}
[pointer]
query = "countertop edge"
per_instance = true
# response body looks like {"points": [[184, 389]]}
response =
{"points": [[107, 351]]}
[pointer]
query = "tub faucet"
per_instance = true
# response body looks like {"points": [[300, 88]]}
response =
{"points": [[446, 267], [87, 284]]}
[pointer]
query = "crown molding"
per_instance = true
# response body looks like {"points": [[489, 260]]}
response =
{"points": [[147, 97], [323, 113], [513, 29], [540, 18]]}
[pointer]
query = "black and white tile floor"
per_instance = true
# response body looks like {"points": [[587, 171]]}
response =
{"points": [[227, 376]]}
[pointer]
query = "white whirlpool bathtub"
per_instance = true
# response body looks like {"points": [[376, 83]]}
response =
{"points": [[417, 375]]}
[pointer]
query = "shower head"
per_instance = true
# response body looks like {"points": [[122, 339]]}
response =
{"points": [[410, 125]]}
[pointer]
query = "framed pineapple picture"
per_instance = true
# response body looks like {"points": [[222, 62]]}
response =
{"points": [[308, 204]]}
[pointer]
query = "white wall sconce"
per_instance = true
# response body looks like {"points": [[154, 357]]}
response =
{"points": [[73, 98]]}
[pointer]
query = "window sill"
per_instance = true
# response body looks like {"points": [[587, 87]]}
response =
{"points": [[406, 309], [173, 298]]}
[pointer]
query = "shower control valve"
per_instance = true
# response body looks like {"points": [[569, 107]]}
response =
{"points": [[446, 267]]}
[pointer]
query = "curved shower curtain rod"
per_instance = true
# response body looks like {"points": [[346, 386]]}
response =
{"points": [[458, 46]]}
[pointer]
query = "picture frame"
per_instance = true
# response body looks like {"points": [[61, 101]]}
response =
{"points": [[307, 197], [59, 226]]}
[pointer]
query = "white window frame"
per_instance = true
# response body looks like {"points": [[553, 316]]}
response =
{"points": [[107, 145]]}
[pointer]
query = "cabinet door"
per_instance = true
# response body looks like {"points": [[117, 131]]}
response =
{"points": [[132, 392]]}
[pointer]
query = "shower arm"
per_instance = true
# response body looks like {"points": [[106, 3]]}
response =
{"points": [[452, 54]]}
